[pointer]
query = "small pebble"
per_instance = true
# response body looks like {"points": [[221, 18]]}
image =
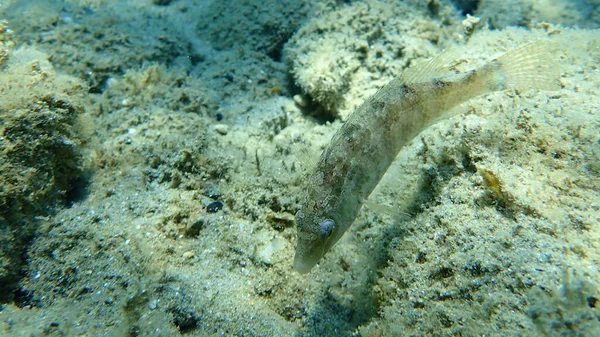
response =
{"points": [[188, 255], [300, 101], [212, 192], [222, 128], [214, 207]]}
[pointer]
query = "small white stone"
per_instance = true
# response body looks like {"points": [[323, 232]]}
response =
{"points": [[272, 252], [300, 101], [188, 255], [222, 128]]}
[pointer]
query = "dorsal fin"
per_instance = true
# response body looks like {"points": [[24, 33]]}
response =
{"points": [[439, 66], [307, 160], [394, 212]]}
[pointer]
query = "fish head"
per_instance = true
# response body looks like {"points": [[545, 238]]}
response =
{"points": [[316, 234]]}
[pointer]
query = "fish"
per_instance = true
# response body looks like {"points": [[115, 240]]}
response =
{"points": [[362, 150]]}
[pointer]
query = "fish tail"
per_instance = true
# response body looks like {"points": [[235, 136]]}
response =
{"points": [[532, 66]]}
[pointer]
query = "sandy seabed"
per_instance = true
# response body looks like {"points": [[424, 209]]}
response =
{"points": [[153, 159]]}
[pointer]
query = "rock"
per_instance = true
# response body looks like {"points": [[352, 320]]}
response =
{"points": [[222, 128]]}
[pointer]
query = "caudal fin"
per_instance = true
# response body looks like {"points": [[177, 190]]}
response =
{"points": [[532, 66]]}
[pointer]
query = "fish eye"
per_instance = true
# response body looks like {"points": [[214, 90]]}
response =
{"points": [[326, 228]]}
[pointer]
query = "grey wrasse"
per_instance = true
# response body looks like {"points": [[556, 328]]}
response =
{"points": [[362, 150]]}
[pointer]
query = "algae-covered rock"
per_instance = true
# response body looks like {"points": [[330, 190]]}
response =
{"points": [[6, 41], [343, 56], [264, 28], [528, 13], [91, 43], [40, 164]]}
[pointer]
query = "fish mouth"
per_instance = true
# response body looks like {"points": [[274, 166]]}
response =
{"points": [[303, 266], [303, 263]]}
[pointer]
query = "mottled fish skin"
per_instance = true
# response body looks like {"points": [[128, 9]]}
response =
{"points": [[362, 150]]}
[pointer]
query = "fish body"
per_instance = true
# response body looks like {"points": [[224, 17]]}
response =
{"points": [[362, 150]]}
